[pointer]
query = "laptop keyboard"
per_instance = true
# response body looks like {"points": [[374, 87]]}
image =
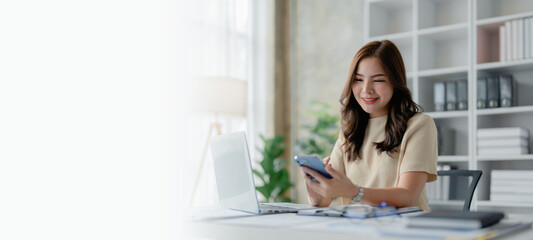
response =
{"points": [[268, 207]]}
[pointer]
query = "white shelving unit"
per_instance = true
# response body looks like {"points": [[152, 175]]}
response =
{"points": [[448, 40]]}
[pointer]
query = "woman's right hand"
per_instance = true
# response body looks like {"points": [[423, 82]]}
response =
{"points": [[315, 198]]}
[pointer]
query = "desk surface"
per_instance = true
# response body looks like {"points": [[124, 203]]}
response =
{"points": [[293, 226]]}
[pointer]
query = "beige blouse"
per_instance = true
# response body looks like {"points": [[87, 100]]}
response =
{"points": [[417, 152]]}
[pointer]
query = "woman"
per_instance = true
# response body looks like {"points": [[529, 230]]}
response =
{"points": [[387, 149]]}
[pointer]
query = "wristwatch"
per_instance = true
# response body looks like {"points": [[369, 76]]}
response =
{"points": [[359, 196]]}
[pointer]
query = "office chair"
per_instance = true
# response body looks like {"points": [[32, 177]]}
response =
{"points": [[475, 174]]}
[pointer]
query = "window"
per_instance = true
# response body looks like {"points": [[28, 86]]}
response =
{"points": [[217, 43]]}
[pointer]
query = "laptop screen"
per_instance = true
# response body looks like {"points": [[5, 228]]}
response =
{"points": [[233, 172]]}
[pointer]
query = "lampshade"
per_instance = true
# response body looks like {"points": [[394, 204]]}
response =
{"points": [[218, 95]]}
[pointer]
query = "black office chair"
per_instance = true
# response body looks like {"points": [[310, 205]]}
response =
{"points": [[475, 174]]}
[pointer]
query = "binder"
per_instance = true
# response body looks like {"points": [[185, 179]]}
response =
{"points": [[506, 91], [493, 92], [462, 95], [451, 96], [445, 140], [481, 93], [439, 95]]}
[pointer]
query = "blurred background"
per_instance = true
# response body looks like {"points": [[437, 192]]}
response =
{"points": [[107, 107], [275, 69], [269, 68]]}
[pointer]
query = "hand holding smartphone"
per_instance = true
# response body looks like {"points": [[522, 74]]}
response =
{"points": [[314, 163]]}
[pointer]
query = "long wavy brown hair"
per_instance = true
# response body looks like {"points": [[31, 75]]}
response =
{"points": [[401, 107]]}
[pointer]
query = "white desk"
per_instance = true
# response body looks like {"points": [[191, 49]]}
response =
{"points": [[292, 226]]}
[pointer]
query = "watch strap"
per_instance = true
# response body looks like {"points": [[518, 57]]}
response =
{"points": [[359, 196]]}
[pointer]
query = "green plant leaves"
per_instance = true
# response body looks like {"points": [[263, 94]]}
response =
{"points": [[274, 176], [323, 134], [273, 173]]}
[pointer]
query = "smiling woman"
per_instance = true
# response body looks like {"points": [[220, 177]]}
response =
{"points": [[372, 88], [387, 149]]}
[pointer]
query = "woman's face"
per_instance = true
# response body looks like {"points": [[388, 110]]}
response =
{"points": [[372, 88]]}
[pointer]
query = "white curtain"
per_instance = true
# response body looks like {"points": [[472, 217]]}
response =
{"points": [[224, 39]]}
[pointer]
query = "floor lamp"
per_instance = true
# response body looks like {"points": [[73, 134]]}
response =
{"points": [[219, 97]]}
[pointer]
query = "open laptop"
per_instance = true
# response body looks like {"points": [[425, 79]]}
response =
{"points": [[235, 182]]}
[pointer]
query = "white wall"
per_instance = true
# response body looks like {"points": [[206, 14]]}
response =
{"points": [[84, 118], [325, 35]]}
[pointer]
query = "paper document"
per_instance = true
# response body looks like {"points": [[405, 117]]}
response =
{"points": [[360, 211]]}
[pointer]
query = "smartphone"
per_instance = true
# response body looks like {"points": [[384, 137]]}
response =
{"points": [[314, 163]]}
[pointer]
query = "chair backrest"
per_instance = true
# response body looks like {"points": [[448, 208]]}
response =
{"points": [[475, 174]]}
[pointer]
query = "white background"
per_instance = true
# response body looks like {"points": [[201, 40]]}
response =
{"points": [[88, 119]]}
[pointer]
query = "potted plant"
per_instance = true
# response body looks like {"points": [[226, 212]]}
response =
{"points": [[273, 174], [323, 134]]}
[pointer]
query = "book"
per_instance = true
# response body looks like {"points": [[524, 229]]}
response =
{"points": [[507, 93], [462, 95], [455, 219], [445, 182], [520, 36], [527, 35], [451, 96], [493, 92], [514, 38], [512, 198], [502, 132], [502, 43], [509, 48], [531, 37], [511, 174], [439, 95], [495, 188], [511, 183], [481, 93], [500, 142], [496, 231], [502, 150]]}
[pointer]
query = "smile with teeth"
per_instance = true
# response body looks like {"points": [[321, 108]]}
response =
{"points": [[369, 100]]}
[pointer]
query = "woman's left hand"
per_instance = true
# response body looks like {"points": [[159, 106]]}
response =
{"points": [[339, 186]]}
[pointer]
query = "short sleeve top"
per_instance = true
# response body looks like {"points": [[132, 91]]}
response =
{"points": [[417, 152]]}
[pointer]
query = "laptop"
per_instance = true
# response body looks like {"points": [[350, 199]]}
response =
{"points": [[234, 177]]}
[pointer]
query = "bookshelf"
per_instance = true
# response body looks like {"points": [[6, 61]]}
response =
{"points": [[450, 40]]}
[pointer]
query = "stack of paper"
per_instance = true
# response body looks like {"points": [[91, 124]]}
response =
{"points": [[511, 185], [508, 141]]}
